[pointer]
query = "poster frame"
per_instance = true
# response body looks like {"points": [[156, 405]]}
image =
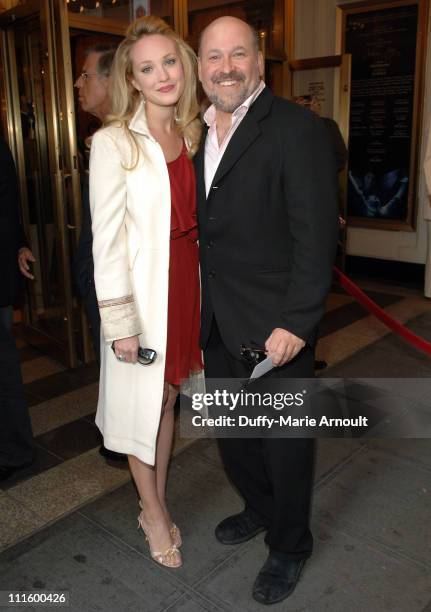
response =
{"points": [[408, 223]]}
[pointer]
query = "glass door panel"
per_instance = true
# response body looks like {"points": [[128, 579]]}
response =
{"points": [[35, 122]]}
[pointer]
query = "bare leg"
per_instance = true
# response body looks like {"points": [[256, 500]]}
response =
{"points": [[153, 518], [164, 445]]}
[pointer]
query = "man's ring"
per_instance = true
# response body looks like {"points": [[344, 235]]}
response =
{"points": [[120, 357]]}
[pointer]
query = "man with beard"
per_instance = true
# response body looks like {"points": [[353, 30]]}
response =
{"points": [[268, 217]]}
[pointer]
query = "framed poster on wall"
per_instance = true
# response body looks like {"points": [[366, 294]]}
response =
{"points": [[140, 8], [387, 41]]}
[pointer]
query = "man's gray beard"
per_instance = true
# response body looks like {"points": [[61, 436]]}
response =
{"points": [[228, 106]]}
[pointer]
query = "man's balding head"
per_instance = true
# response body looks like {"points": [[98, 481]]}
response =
{"points": [[227, 20], [230, 63]]}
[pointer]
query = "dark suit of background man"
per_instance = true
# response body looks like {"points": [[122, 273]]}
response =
{"points": [[16, 440], [93, 96], [268, 218]]}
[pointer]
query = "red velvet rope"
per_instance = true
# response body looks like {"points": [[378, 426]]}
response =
{"points": [[383, 316]]}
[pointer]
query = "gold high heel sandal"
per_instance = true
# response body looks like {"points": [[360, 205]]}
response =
{"points": [[176, 535], [171, 557], [174, 531]]}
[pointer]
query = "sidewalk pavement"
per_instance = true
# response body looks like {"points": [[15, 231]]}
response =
{"points": [[371, 523], [370, 520]]}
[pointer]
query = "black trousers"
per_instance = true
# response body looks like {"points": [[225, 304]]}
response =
{"points": [[16, 438], [273, 475], [92, 311]]}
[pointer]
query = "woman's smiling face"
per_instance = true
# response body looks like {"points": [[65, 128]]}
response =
{"points": [[157, 70]]}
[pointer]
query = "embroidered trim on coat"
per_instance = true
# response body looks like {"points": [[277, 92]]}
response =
{"points": [[116, 301]]}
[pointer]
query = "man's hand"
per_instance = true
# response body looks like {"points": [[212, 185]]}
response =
{"points": [[24, 256], [282, 346], [126, 349]]}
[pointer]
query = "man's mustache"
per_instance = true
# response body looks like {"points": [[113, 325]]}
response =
{"points": [[233, 75]]}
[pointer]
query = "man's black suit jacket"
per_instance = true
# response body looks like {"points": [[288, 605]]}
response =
{"points": [[12, 236], [84, 264], [268, 229]]}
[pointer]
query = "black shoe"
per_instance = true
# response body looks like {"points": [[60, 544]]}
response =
{"points": [[277, 579], [111, 455], [320, 364], [240, 527], [6, 471]]}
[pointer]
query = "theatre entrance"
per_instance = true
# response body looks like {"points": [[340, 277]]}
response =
{"points": [[42, 53], [42, 46]]}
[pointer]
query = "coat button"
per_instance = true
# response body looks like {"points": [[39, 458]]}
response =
{"points": [[210, 244], [211, 218], [212, 273]]}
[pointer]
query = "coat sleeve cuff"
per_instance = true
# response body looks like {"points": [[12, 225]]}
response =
{"points": [[119, 318]]}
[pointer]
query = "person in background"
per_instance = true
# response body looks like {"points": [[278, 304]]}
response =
{"points": [[340, 149], [93, 97], [143, 207], [16, 439], [341, 156]]}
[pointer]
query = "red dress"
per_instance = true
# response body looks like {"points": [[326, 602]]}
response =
{"points": [[183, 355]]}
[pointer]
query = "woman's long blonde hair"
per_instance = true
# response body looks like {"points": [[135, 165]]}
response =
{"points": [[125, 98]]}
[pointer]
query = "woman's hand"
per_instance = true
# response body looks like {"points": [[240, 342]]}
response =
{"points": [[126, 349]]}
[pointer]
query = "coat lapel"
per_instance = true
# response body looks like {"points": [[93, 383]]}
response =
{"points": [[199, 163], [247, 132], [138, 123]]}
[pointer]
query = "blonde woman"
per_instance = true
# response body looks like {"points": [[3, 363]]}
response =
{"points": [[142, 192]]}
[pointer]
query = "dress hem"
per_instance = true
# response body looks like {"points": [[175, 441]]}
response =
{"points": [[129, 447]]}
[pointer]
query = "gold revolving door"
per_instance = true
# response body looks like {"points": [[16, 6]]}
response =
{"points": [[43, 44], [39, 127]]}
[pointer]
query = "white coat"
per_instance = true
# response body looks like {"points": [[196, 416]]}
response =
{"points": [[131, 211]]}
